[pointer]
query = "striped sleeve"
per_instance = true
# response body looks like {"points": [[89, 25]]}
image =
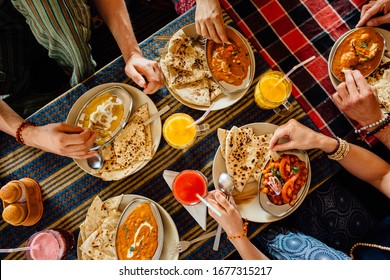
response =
{"points": [[63, 28]]}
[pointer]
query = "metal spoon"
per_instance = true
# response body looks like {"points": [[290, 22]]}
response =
{"points": [[226, 185], [95, 162]]}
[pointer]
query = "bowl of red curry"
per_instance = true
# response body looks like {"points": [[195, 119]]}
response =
{"points": [[361, 49], [229, 63]]}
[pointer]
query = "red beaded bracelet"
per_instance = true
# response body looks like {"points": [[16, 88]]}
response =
{"points": [[19, 131], [243, 234]]}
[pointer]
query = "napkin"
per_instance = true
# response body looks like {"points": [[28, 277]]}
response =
{"points": [[198, 211]]}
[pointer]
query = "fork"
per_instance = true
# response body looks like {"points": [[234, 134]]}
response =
{"points": [[185, 244]]}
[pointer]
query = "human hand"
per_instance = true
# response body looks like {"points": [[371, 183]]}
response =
{"points": [[62, 139], [357, 99], [138, 68], [373, 8], [209, 22], [300, 137], [231, 220]]}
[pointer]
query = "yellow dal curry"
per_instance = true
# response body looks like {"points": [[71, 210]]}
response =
{"points": [[103, 114], [137, 237]]}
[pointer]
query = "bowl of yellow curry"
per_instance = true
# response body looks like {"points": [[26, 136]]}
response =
{"points": [[230, 63], [360, 49], [105, 112], [140, 232]]}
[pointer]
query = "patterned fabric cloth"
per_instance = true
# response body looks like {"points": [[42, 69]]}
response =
{"points": [[182, 6], [330, 221], [286, 32], [284, 244], [63, 28]]}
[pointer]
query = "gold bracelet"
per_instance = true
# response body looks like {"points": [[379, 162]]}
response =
{"points": [[23, 125], [376, 246], [341, 152], [243, 234]]}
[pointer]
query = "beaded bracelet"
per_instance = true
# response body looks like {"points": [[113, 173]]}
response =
{"points": [[341, 152], [383, 126], [244, 232], [19, 131], [386, 119]]}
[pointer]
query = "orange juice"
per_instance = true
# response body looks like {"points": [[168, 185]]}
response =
{"points": [[271, 91], [178, 131]]}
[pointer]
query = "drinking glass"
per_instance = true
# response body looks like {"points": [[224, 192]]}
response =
{"points": [[52, 244], [187, 184], [179, 133], [272, 91]]}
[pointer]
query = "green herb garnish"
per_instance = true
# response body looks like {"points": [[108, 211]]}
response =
{"points": [[295, 169]]}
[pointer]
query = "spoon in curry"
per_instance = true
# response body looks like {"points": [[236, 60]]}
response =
{"points": [[226, 185]]}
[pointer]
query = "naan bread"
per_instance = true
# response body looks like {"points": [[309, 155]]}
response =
{"points": [[195, 93], [222, 135], [99, 228], [383, 90], [215, 90], [114, 174], [181, 54], [263, 155], [245, 154], [241, 155], [129, 150], [186, 72]]}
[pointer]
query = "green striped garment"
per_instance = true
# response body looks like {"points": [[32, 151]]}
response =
{"points": [[63, 28]]}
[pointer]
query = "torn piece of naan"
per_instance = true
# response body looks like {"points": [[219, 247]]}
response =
{"points": [[195, 93], [241, 155]]}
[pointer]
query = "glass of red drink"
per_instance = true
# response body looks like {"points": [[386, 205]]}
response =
{"points": [[187, 185], [52, 244]]}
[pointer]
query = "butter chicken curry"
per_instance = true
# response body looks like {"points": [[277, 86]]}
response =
{"points": [[137, 237], [228, 62], [361, 50]]}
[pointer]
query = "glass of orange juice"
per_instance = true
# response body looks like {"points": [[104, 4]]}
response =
{"points": [[187, 184], [273, 91], [179, 133]]}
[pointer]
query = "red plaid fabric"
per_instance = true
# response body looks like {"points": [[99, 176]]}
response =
{"points": [[286, 32]]}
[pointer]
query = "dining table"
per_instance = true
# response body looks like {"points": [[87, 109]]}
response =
{"points": [[281, 34]]}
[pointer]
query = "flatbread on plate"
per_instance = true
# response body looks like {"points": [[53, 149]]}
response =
{"points": [[98, 230], [241, 155], [245, 154], [130, 149], [195, 93]]}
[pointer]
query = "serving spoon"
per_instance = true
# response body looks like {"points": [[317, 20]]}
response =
{"points": [[95, 162], [226, 185]]}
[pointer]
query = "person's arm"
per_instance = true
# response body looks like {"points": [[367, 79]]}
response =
{"points": [[232, 224], [60, 138], [116, 16], [356, 161], [209, 22], [358, 101], [373, 8]]}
